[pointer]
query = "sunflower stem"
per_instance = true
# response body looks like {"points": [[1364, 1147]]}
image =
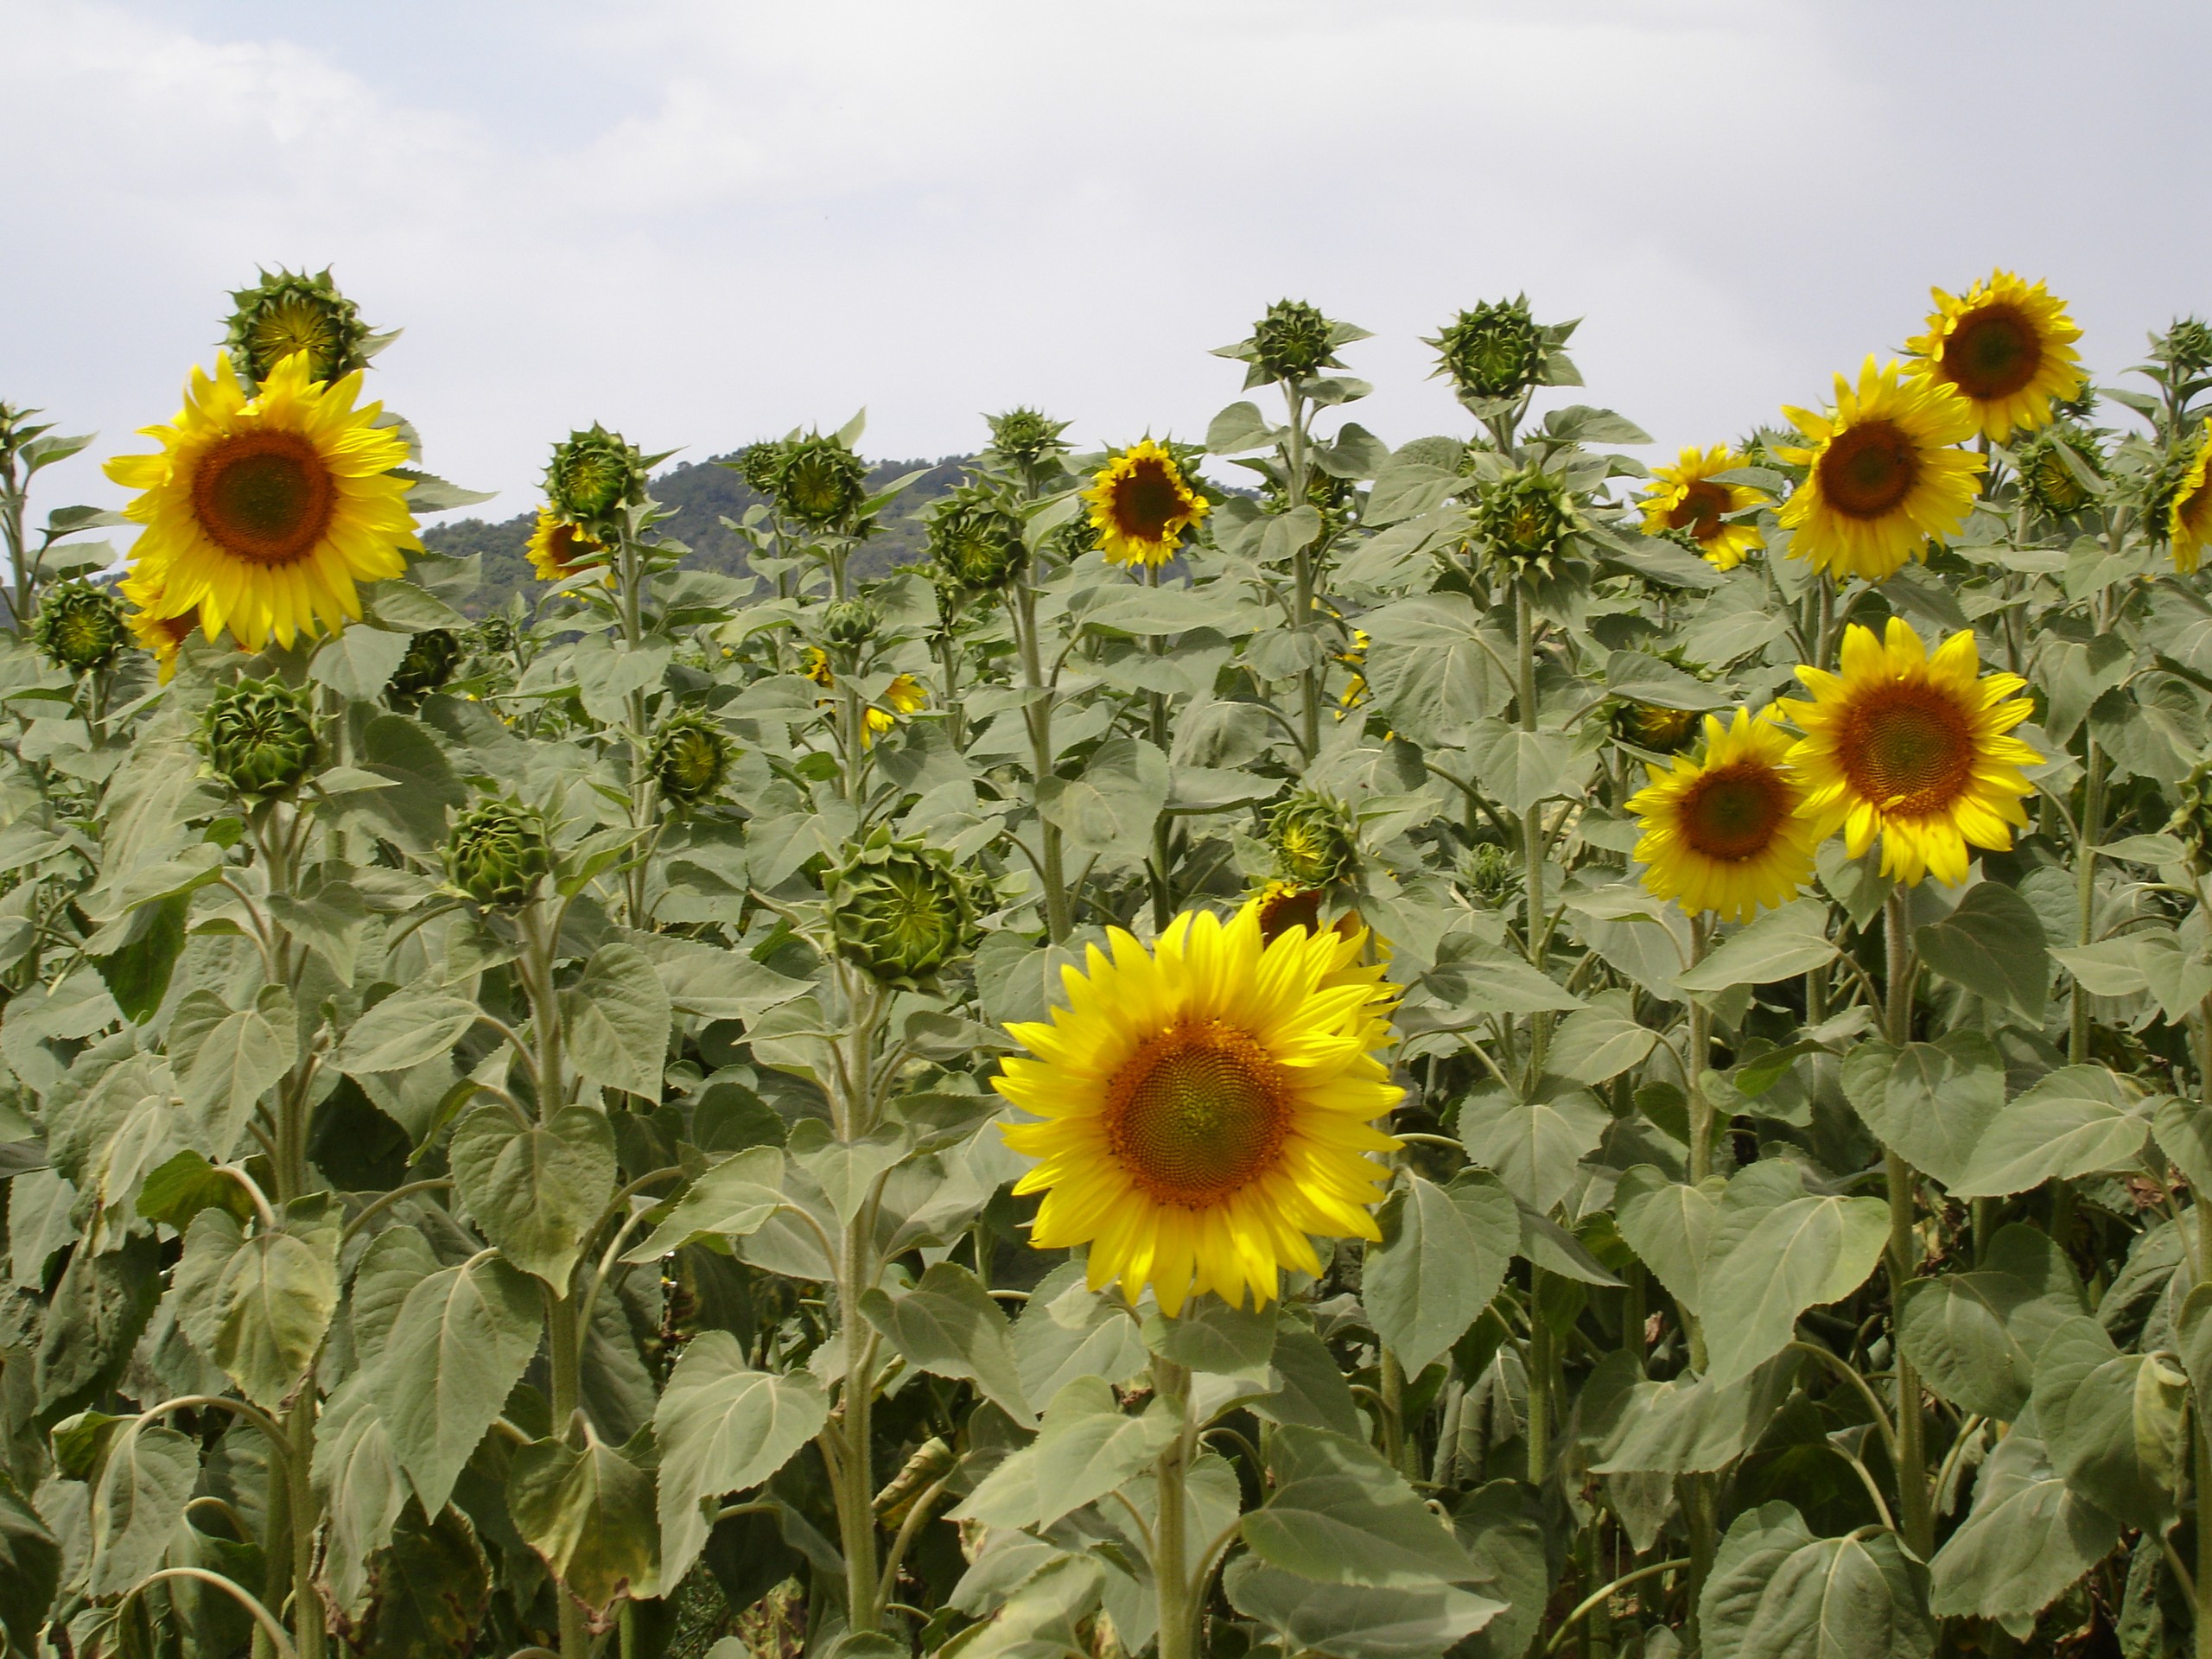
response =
{"points": [[1037, 713], [1532, 823], [1297, 467], [1171, 1565], [1916, 1516]]}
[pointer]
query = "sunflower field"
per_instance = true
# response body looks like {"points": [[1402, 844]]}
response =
{"points": [[1290, 1046]]}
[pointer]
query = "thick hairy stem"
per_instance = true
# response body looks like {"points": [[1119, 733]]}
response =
{"points": [[1542, 1358], [1532, 826], [855, 1472], [564, 1351], [2085, 895], [1171, 1566], [307, 1606], [644, 791], [1037, 713], [1296, 468], [1915, 1512]]}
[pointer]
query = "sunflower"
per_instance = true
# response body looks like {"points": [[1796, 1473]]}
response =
{"points": [[558, 549], [1884, 476], [1206, 1106], [1913, 748], [164, 636], [1723, 832], [1692, 501], [264, 513], [1140, 505], [2006, 347], [904, 694], [2189, 517]]}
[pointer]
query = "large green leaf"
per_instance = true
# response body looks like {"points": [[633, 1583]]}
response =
{"points": [[1767, 1262], [1779, 945], [1088, 1446], [405, 1029], [1776, 1590], [360, 1486], [148, 1476], [1535, 1146], [1518, 768], [235, 1064], [535, 1192], [458, 1348], [1667, 1224], [1442, 1257], [1691, 1426], [729, 1199], [2112, 1421], [1067, 1329], [275, 1299], [589, 1512], [1974, 1336], [1601, 1042], [358, 662], [723, 1426], [2028, 1539], [948, 1325], [617, 1017], [1993, 945], [2078, 1121], [1929, 1102], [30, 1569], [1111, 808], [1351, 1622], [1340, 1515]]}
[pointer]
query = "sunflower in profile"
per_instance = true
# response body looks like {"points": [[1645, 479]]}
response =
{"points": [[163, 636], [1207, 1107], [1140, 505], [264, 513], [1724, 832], [904, 695], [1913, 748], [1884, 473], [558, 549], [2189, 516], [1690, 499], [2004, 345]]}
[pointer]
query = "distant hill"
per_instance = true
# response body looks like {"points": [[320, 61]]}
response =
{"points": [[706, 493]]}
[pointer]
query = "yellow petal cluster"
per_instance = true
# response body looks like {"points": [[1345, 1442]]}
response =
{"points": [[1141, 506], [1724, 832], [2004, 345], [1687, 498]]}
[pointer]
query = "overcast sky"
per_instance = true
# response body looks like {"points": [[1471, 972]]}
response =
{"points": [[706, 221]]}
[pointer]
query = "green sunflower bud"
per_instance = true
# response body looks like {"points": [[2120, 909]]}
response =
{"points": [[1494, 351], [1025, 438], [758, 465], [259, 737], [848, 623], [592, 477], [1489, 874], [1291, 341], [2057, 469], [820, 483], [976, 540], [499, 852], [900, 909], [495, 636], [429, 664], [691, 757], [1524, 518], [292, 312], [2186, 346], [80, 626], [1646, 725], [1312, 838]]}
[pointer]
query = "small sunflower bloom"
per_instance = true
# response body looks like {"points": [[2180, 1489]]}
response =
{"points": [[1207, 1108], [2004, 345], [2188, 515], [1913, 748], [1141, 506], [1724, 831], [1688, 497], [558, 549], [1884, 473]]}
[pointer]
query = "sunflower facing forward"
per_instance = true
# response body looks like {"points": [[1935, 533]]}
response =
{"points": [[264, 513], [1140, 504], [1207, 1107], [1690, 499], [1724, 832], [2004, 345], [1913, 748], [1885, 475]]}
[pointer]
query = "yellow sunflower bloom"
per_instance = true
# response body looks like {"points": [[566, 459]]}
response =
{"points": [[1913, 748], [1140, 505], [164, 636], [1724, 832], [2006, 347], [2189, 518], [265, 514], [1884, 474], [558, 549], [1207, 1108], [1688, 499], [904, 694]]}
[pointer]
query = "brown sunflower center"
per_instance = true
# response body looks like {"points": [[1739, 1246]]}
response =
{"points": [[1908, 749], [1733, 811], [264, 497], [1992, 353], [1145, 501], [1196, 1113], [1869, 468], [1699, 511]]}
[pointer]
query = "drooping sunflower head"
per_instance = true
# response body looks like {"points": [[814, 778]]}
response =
{"points": [[1207, 1108], [592, 477], [79, 627], [265, 514], [758, 464], [1913, 748], [822, 483], [2004, 345], [691, 757], [559, 550], [432, 656], [975, 539], [2062, 468], [1523, 520], [291, 311], [2187, 515], [1291, 341], [1883, 473], [1725, 831], [499, 852], [1141, 504], [1498, 349], [1649, 726], [1314, 839], [259, 738], [1688, 497], [900, 909], [1026, 439]]}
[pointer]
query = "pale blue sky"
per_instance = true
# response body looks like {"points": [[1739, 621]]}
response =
{"points": [[704, 223]]}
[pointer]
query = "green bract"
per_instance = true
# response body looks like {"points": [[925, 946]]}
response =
{"points": [[1024, 438], [1496, 350], [1314, 839], [691, 757], [498, 852], [820, 483], [592, 477], [430, 662], [976, 542], [259, 737], [289, 312], [899, 909], [80, 626]]}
